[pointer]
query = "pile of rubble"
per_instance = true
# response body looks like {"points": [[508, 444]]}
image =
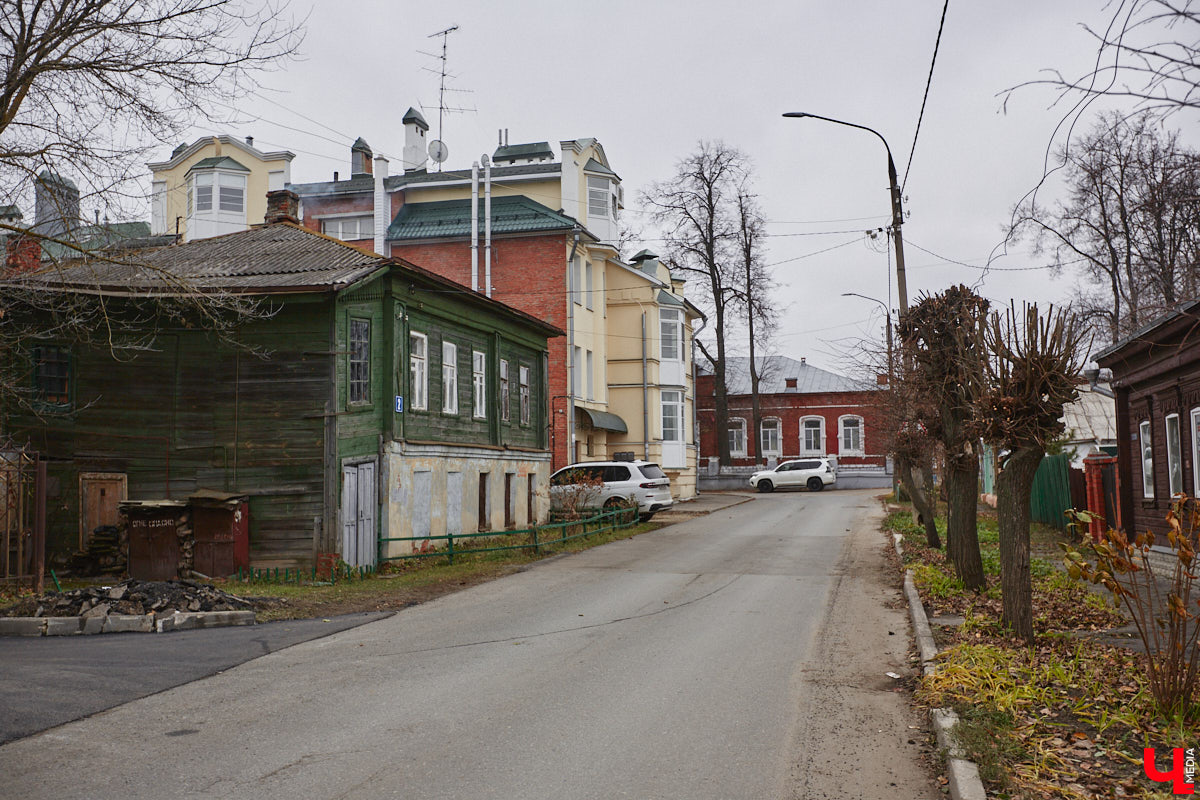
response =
{"points": [[129, 597]]}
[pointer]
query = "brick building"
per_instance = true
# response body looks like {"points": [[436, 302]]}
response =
{"points": [[806, 411], [538, 231]]}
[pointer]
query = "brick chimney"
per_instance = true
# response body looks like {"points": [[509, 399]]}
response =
{"points": [[282, 206], [790, 383], [881, 379], [22, 254]]}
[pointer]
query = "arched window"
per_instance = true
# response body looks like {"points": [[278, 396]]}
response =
{"points": [[812, 436], [851, 443]]}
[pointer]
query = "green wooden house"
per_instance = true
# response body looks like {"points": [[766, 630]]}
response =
{"points": [[368, 399]]}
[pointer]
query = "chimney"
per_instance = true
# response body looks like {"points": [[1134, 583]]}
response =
{"points": [[790, 383], [283, 205], [881, 379], [803, 361], [21, 254], [415, 151], [360, 159], [250, 141], [56, 205]]}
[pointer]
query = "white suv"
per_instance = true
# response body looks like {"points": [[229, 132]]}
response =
{"points": [[641, 483], [812, 473]]}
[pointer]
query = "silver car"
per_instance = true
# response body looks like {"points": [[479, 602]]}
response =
{"points": [[609, 484], [813, 474]]}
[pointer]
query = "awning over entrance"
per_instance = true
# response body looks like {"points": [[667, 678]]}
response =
{"points": [[603, 420]]}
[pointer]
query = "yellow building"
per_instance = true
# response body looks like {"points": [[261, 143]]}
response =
{"points": [[215, 185]]}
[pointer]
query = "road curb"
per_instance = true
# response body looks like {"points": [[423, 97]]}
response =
{"points": [[963, 775], [122, 623]]}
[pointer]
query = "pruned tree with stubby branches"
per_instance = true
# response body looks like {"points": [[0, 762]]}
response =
{"points": [[941, 343], [1034, 364]]}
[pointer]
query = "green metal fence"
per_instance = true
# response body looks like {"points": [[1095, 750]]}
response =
{"points": [[534, 538], [1051, 491]]}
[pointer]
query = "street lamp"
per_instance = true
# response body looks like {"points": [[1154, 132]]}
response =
{"points": [[897, 211], [888, 318]]}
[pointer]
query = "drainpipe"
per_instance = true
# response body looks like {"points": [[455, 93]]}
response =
{"points": [[696, 398], [571, 346], [475, 226], [645, 397], [487, 226]]}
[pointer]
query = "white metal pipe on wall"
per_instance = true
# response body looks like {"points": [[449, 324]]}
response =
{"points": [[487, 226], [475, 226]]}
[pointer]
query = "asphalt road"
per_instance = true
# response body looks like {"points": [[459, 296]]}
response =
{"points": [[46, 681], [737, 655]]}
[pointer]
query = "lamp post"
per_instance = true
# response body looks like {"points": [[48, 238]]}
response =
{"points": [[888, 318], [897, 210]]}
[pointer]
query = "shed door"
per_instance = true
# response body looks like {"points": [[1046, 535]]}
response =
{"points": [[99, 494], [359, 503]]}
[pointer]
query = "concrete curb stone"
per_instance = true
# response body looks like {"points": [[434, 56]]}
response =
{"points": [[963, 775], [22, 626], [122, 623]]}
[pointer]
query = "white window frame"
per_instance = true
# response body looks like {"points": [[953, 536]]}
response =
{"points": [[505, 400], [805, 450], [862, 436], [523, 381], [349, 228], [449, 378], [479, 383], [418, 371], [591, 375], [600, 197], [1174, 455], [737, 437], [777, 425], [1146, 448], [671, 401], [1195, 436], [360, 382], [670, 330]]}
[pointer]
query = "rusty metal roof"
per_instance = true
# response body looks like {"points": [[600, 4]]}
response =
{"points": [[269, 258]]}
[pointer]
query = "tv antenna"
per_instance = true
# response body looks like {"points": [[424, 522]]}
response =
{"points": [[443, 73]]}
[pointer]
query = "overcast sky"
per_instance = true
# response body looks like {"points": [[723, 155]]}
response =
{"points": [[650, 79]]}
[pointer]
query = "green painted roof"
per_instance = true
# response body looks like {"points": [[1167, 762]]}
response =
{"points": [[530, 150], [665, 299], [604, 420], [593, 165], [452, 218], [218, 162]]}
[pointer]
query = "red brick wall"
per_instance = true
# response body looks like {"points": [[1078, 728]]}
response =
{"points": [[790, 408], [528, 273], [314, 207]]}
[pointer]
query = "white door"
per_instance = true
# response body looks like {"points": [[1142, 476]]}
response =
{"points": [[359, 505]]}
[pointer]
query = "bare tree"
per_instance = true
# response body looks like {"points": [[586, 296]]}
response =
{"points": [[90, 87], [1147, 52], [1031, 375], [760, 310], [697, 212], [940, 341], [1128, 225]]}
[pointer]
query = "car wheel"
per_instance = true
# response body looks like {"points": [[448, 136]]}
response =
{"points": [[644, 517], [766, 486], [815, 484]]}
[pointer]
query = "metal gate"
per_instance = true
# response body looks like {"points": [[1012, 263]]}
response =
{"points": [[359, 504], [23, 516]]}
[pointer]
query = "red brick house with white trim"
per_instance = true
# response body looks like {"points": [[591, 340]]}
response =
{"points": [[806, 411]]}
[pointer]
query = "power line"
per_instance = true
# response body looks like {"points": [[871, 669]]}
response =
{"points": [[986, 267], [928, 82]]}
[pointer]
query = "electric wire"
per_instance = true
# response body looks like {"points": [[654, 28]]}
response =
{"points": [[928, 83]]}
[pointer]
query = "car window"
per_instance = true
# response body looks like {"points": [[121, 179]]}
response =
{"points": [[612, 474], [808, 464], [563, 478], [652, 471]]}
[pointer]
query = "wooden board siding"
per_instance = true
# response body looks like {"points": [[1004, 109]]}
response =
{"points": [[207, 416]]}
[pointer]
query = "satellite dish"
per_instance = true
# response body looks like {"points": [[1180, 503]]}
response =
{"points": [[438, 151]]}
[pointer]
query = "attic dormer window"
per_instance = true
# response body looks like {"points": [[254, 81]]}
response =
{"points": [[216, 190], [602, 198]]}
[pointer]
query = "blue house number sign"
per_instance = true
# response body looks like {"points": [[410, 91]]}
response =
{"points": [[399, 404]]}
